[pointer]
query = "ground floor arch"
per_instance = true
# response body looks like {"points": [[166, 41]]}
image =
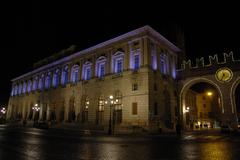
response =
{"points": [[197, 108]]}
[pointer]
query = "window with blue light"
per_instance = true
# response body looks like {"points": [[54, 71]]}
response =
{"points": [[29, 86], [47, 82], [136, 61], [100, 66], [117, 62], [16, 90], [65, 76], [75, 70], [119, 65], [35, 84], [101, 70], [24, 87], [20, 88], [163, 64], [40, 83], [88, 73], [55, 80]]}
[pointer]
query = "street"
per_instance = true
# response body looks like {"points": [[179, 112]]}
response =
{"points": [[54, 144]]}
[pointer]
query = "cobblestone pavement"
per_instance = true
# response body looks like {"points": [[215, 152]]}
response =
{"points": [[38, 144]]}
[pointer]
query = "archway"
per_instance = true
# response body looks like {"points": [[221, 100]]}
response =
{"points": [[235, 91], [201, 104]]}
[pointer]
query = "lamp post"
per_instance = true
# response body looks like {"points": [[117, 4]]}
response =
{"points": [[36, 109], [110, 115]]}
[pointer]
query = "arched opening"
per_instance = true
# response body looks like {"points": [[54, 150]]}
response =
{"points": [[201, 105], [237, 102], [85, 106], [71, 113]]}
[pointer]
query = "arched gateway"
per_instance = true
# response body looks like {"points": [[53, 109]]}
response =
{"points": [[223, 76]]}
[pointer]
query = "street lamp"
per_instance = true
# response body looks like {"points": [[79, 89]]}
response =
{"points": [[3, 110], [36, 109], [110, 116], [209, 94]]}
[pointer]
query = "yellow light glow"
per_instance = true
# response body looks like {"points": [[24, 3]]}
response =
{"points": [[209, 93], [111, 96]]}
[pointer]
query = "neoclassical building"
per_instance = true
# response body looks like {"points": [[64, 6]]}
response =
{"points": [[137, 68]]}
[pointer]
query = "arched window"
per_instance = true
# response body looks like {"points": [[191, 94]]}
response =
{"points": [[24, 87], [35, 83], [29, 86], [48, 80], [40, 82], [55, 81], [135, 59], [100, 110], [64, 75], [117, 62], [87, 71], [74, 74], [20, 88], [100, 66]]}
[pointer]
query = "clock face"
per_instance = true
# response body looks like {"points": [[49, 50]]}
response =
{"points": [[224, 75]]}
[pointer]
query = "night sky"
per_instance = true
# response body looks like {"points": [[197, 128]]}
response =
{"points": [[34, 31]]}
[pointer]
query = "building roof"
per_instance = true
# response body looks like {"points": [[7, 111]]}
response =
{"points": [[100, 45]]}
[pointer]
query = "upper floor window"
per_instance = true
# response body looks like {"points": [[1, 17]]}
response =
{"points": [[55, 78], [65, 75], [164, 64], [48, 80], [35, 83], [154, 58], [40, 82], [20, 88], [100, 66], [87, 67], [24, 87], [74, 73], [117, 62], [135, 59], [29, 86]]}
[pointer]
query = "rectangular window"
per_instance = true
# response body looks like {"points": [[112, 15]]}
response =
{"points": [[136, 61], [88, 73], [135, 87], [119, 65], [134, 108], [102, 70]]}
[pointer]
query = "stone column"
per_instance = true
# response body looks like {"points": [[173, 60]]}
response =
{"points": [[145, 56], [66, 109], [126, 58]]}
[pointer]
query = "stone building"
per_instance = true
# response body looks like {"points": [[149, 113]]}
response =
{"points": [[137, 68]]}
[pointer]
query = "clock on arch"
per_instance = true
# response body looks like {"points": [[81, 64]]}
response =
{"points": [[224, 74]]}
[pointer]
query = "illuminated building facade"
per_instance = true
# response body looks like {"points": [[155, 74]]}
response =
{"points": [[138, 68]]}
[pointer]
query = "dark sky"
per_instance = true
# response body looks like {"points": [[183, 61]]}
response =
{"points": [[36, 30]]}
